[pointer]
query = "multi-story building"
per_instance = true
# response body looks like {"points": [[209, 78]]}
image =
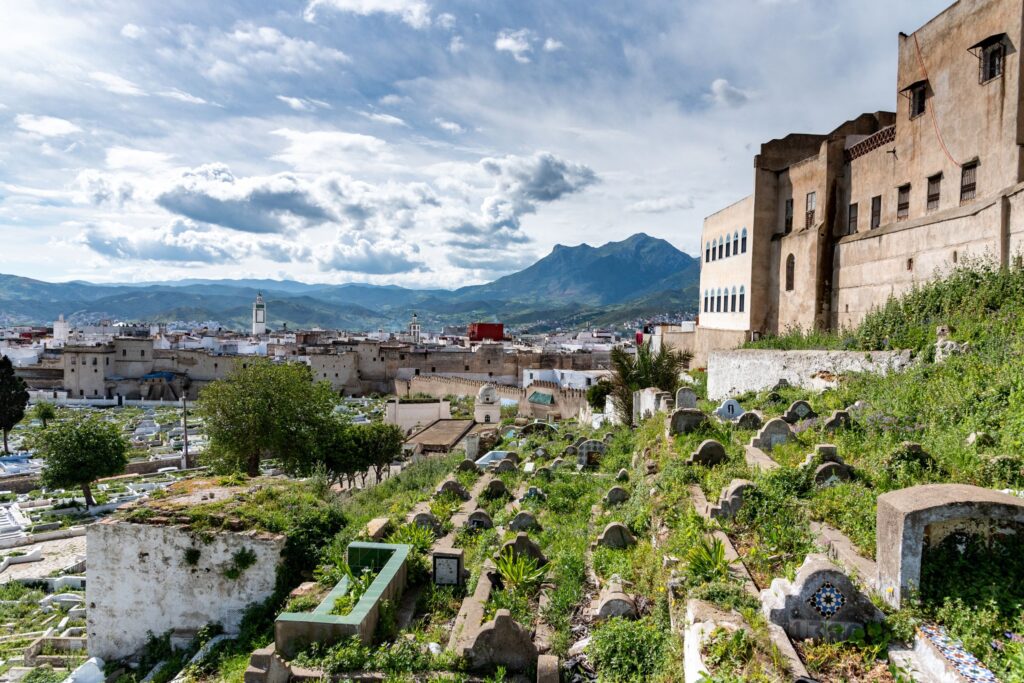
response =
{"points": [[838, 223]]}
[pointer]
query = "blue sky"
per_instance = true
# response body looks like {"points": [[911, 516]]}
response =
{"points": [[413, 142]]}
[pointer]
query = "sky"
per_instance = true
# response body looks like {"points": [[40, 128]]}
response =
{"points": [[423, 143]]}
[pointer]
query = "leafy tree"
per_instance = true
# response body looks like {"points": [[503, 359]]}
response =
{"points": [[45, 412], [79, 452], [266, 409], [13, 398], [597, 393], [633, 372], [379, 445]]}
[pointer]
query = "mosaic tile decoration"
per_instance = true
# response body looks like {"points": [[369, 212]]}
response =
{"points": [[966, 664], [827, 600]]}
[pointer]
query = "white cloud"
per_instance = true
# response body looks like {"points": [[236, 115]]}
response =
{"points": [[132, 32], [98, 188], [136, 159], [47, 126], [181, 96], [393, 100], [266, 47], [553, 45], [116, 84], [517, 43], [724, 94], [180, 241], [662, 204], [456, 45], [386, 119], [446, 21], [415, 13], [449, 126], [329, 149], [303, 103], [373, 258]]}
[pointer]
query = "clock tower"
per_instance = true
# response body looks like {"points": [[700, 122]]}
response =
{"points": [[259, 316]]}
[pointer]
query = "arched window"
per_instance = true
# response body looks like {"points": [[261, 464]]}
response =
{"points": [[743, 242], [741, 298], [714, 250], [736, 242], [705, 301], [790, 272], [733, 302], [721, 248], [718, 301], [707, 252], [727, 246]]}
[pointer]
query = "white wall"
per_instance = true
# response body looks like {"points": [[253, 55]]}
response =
{"points": [[138, 581], [409, 415], [735, 372]]}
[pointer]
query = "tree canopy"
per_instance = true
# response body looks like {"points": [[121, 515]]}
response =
{"points": [[13, 398], [44, 412], [646, 368], [266, 409], [79, 452]]}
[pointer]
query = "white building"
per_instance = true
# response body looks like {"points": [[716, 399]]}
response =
{"points": [[259, 316], [565, 379]]}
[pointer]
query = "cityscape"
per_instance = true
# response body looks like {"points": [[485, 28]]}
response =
{"points": [[431, 340]]}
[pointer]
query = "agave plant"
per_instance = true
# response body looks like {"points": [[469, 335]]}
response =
{"points": [[518, 572], [706, 561]]}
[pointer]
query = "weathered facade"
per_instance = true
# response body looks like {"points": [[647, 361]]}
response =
{"points": [[840, 222]]}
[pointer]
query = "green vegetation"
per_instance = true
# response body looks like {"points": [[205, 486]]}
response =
{"points": [[44, 412], [624, 651], [13, 398], [79, 452], [645, 368]]}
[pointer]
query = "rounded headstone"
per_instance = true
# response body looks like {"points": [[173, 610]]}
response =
{"points": [[616, 495]]}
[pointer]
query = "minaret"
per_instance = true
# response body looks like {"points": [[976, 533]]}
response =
{"points": [[414, 329], [259, 316]]}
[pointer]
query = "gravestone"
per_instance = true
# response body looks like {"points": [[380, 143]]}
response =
{"points": [[776, 431], [428, 521], [534, 493], [468, 466], [495, 489], [614, 602], [540, 453], [556, 463], [616, 495], [781, 384], [910, 454], [501, 642], [447, 566], [684, 421], [524, 521], [505, 465], [623, 475], [543, 473], [568, 436], [579, 442], [590, 452], [616, 535], [454, 488], [821, 603], [709, 453], [686, 398], [479, 519], [607, 439], [798, 412], [729, 409], [521, 546], [529, 467], [830, 473], [731, 499], [569, 452], [773, 397], [752, 419], [839, 419], [908, 519]]}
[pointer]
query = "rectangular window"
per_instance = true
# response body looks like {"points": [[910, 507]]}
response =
{"points": [[934, 192], [992, 62], [788, 225], [812, 204], [876, 211], [918, 95], [968, 182], [851, 219], [903, 203]]}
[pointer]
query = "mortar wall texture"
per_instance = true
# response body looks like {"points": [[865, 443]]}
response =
{"points": [[138, 580]]}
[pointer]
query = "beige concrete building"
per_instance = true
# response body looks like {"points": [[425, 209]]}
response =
{"points": [[840, 222]]}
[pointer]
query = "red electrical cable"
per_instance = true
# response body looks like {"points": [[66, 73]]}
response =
{"points": [[935, 123]]}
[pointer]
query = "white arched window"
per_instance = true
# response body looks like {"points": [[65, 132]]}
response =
{"points": [[743, 241], [741, 298], [727, 246], [714, 250], [718, 301], [736, 242], [707, 252], [733, 302]]}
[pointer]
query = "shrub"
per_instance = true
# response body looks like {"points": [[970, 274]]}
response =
{"points": [[625, 651]]}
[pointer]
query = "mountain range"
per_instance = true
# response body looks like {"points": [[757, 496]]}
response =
{"points": [[636, 278]]}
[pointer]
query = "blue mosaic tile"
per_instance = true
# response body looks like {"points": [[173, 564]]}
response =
{"points": [[966, 664], [827, 600]]}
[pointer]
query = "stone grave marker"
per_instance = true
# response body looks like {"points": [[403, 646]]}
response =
{"points": [[523, 545], [839, 419], [616, 495], [752, 419], [468, 466], [686, 398], [534, 493], [616, 535], [501, 642], [479, 519], [731, 499], [495, 489], [798, 412], [709, 453], [623, 475], [614, 602], [685, 420], [776, 431], [590, 452], [524, 521], [505, 465], [729, 409], [454, 488], [428, 521], [821, 603]]}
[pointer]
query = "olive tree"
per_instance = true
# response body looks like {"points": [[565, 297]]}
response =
{"points": [[79, 452]]}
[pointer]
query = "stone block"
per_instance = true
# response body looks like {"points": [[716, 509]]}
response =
{"points": [[616, 495], [495, 489], [685, 421], [798, 412], [752, 419], [479, 519], [686, 398], [547, 669], [616, 535], [775, 432], [452, 487], [709, 453], [523, 546], [524, 521], [378, 528], [731, 499], [501, 642]]}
